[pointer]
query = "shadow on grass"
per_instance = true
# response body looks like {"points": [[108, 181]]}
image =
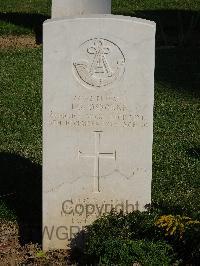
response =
{"points": [[21, 181], [31, 21], [194, 153], [179, 68], [76, 250], [174, 27]]}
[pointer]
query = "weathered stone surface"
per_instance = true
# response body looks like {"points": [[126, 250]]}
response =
{"points": [[98, 120], [63, 8]]}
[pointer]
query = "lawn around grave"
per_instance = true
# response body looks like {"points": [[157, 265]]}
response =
{"points": [[176, 148]]}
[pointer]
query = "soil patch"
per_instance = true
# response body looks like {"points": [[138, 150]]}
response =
{"points": [[18, 41], [12, 253]]}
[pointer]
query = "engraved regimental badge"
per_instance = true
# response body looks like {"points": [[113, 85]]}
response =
{"points": [[99, 63]]}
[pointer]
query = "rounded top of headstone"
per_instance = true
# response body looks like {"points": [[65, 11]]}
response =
{"points": [[103, 16]]}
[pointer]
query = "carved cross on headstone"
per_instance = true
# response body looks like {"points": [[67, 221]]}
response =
{"points": [[97, 155]]}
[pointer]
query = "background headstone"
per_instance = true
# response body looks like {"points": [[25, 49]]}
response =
{"points": [[63, 8], [97, 120]]}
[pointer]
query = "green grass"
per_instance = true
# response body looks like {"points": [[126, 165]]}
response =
{"points": [[8, 28], [21, 79], [176, 153], [130, 6], [21, 134], [24, 16], [43, 6], [26, 6]]}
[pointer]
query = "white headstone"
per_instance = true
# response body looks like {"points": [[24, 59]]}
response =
{"points": [[98, 120], [63, 8]]}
